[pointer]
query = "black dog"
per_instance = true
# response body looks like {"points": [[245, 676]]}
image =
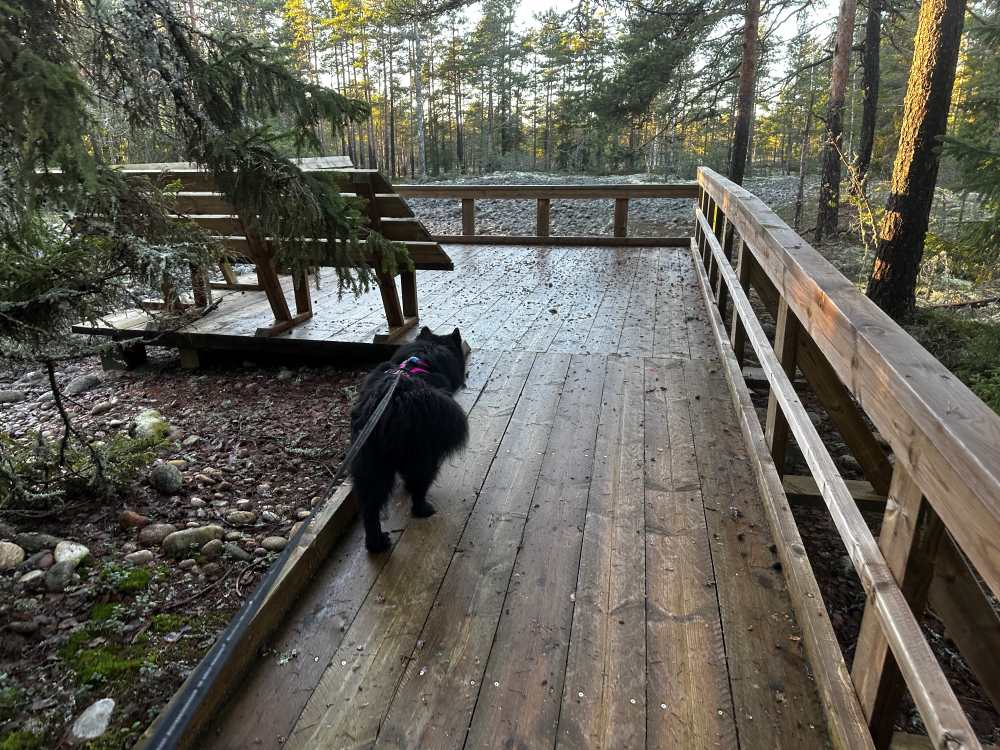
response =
{"points": [[421, 426]]}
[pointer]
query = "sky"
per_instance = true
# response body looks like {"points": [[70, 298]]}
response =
{"points": [[528, 9]]}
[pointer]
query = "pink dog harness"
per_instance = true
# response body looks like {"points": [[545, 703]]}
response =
{"points": [[413, 366]]}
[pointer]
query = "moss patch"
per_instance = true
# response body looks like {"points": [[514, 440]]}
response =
{"points": [[22, 740], [969, 348], [101, 663], [10, 698], [126, 579], [104, 612], [166, 623]]}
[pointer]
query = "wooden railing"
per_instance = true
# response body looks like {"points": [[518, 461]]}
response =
{"points": [[543, 195], [942, 512]]}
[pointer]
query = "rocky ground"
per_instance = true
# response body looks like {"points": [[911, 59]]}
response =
{"points": [[105, 609]]}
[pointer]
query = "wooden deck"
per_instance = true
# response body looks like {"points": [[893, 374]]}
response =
{"points": [[634, 301], [600, 572]]}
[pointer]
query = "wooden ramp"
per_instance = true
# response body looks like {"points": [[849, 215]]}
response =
{"points": [[600, 572]]}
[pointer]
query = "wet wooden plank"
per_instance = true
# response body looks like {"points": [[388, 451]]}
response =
{"points": [[688, 693], [276, 691], [640, 318], [354, 694], [610, 318], [445, 679], [670, 331], [522, 687], [776, 703], [607, 649]]}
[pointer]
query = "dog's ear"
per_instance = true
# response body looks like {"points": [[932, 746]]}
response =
{"points": [[457, 336], [425, 333]]}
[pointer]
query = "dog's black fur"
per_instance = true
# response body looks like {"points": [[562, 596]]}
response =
{"points": [[420, 428]]}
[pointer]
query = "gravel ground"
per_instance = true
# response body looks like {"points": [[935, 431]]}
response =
{"points": [[647, 216], [254, 448]]}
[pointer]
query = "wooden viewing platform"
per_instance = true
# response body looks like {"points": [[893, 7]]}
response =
{"points": [[614, 563]]}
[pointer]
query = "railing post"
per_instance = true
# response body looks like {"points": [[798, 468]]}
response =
{"points": [[408, 283], [728, 240], [621, 217], [468, 216], [542, 217], [786, 333], [200, 286], [909, 539], [738, 336], [300, 285]]}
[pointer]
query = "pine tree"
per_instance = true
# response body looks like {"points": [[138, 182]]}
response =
{"points": [[828, 210], [893, 280]]}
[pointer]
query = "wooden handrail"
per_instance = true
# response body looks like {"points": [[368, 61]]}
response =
{"points": [[942, 433], [564, 191], [938, 706], [543, 195], [945, 480]]}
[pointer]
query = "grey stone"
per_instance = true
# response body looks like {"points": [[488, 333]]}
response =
{"points": [[270, 517], [190, 440], [33, 579], [213, 549], [211, 570], [93, 722], [181, 542], [285, 374], [71, 552], [260, 551], [155, 533], [187, 563], [150, 424], [82, 384], [58, 576], [237, 552], [11, 555], [140, 557], [33, 541], [103, 407], [241, 517], [33, 377], [274, 543], [42, 560], [196, 502], [166, 479], [12, 397]]}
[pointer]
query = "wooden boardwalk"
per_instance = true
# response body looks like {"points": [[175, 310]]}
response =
{"points": [[634, 301], [600, 572]]}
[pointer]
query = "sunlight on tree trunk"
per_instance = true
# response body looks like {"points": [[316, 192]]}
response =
{"points": [[893, 280], [828, 209], [745, 97]]}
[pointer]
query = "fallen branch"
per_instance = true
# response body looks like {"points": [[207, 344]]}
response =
{"points": [[971, 303]]}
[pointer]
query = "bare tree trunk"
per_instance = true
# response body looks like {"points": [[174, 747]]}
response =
{"points": [[418, 92], [869, 84], [804, 150], [829, 190], [745, 95], [893, 280]]}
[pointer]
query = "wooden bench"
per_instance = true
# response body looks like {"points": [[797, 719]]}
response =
{"points": [[200, 201]]}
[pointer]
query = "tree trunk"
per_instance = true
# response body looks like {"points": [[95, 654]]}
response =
{"points": [[893, 280], [745, 95], [803, 150], [869, 85], [829, 189], [418, 92]]}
